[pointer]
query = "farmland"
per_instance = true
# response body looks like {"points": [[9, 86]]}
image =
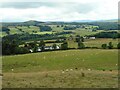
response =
{"points": [[94, 65], [44, 69]]}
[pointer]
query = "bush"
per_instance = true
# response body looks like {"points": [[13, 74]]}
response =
{"points": [[110, 45], [118, 45], [104, 46], [45, 28], [21, 50], [64, 46], [54, 46], [81, 45]]}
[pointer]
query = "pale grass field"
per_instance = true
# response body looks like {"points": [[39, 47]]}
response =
{"points": [[57, 79]]}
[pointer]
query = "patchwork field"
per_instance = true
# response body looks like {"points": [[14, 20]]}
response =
{"points": [[89, 68]]}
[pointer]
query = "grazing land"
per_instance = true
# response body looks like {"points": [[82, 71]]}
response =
{"points": [[71, 68]]}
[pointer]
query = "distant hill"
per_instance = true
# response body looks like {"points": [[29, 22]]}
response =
{"points": [[33, 22], [30, 22], [111, 20]]}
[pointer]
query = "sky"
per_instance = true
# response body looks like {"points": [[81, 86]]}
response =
{"points": [[57, 10]]}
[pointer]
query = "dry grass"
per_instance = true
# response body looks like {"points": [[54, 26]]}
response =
{"points": [[57, 79]]}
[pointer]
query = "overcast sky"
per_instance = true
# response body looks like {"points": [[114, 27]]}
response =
{"points": [[58, 10]]}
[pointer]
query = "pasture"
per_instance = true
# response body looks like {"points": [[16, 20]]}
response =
{"points": [[89, 68], [94, 42], [36, 30]]}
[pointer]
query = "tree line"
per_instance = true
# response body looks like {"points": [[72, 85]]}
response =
{"points": [[12, 47]]}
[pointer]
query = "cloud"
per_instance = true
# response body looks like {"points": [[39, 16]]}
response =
{"points": [[25, 5], [59, 11]]}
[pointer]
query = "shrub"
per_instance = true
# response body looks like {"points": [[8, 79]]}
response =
{"points": [[81, 45], [118, 45], [104, 46], [64, 46], [110, 45]]}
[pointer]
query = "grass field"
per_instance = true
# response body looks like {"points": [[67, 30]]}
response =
{"points": [[71, 68], [94, 43], [99, 41]]}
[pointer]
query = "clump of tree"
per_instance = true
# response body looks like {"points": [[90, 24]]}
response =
{"points": [[64, 46], [45, 28], [21, 50], [58, 26], [42, 45], [118, 45], [33, 45], [62, 25], [5, 29], [110, 34], [105, 25], [54, 46], [109, 46], [12, 47], [104, 46], [81, 45], [69, 28], [79, 38], [62, 33]]}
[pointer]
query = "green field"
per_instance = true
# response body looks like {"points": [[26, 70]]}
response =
{"points": [[55, 29], [94, 43], [89, 68]]}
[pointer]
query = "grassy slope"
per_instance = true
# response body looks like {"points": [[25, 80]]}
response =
{"points": [[44, 69], [57, 60]]}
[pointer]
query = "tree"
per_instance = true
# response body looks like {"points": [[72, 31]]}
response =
{"points": [[62, 25], [45, 28], [7, 32], [54, 46], [32, 44], [42, 44], [110, 45], [118, 45], [77, 38], [58, 26], [13, 46], [35, 49], [114, 36], [82, 39], [64, 46], [104, 46], [21, 50], [9, 47], [81, 45], [69, 28], [5, 29]]}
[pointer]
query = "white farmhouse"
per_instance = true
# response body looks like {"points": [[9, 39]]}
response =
{"points": [[57, 47], [91, 37], [31, 50], [39, 49]]}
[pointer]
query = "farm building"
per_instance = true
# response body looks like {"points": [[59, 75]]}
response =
{"points": [[91, 37], [31, 50], [48, 48], [57, 47], [39, 49]]}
